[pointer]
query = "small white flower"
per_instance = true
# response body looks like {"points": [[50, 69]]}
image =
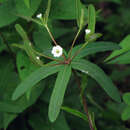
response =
{"points": [[38, 57], [57, 51], [87, 31], [39, 16]]}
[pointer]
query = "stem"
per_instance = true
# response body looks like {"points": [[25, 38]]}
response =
{"points": [[51, 35], [47, 57], [78, 51], [84, 101], [64, 57], [74, 42]]}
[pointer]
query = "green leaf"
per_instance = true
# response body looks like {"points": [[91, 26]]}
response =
{"points": [[6, 18], [122, 59], [8, 83], [27, 3], [20, 46], [125, 45], [95, 72], [126, 98], [62, 9], [94, 48], [9, 107], [33, 79], [24, 65], [37, 121], [75, 113], [46, 15], [92, 37], [126, 113], [22, 9], [91, 18], [58, 92], [42, 40], [13, 8], [28, 46], [80, 14]]}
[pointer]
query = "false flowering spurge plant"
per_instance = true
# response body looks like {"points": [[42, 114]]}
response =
{"points": [[64, 63]]}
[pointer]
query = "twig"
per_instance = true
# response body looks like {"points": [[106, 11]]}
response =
{"points": [[51, 35], [78, 51], [74, 42], [83, 101], [47, 56]]}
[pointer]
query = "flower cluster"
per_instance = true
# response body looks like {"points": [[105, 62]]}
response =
{"points": [[57, 50]]}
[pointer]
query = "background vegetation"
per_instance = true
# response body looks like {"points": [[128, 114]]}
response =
{"points": [[30, 112]]}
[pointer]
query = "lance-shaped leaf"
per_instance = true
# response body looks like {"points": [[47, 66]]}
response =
{"points": [[27, 45], [58, 92], [80, 14], [27, 3], [75, 113], [91, 18], [9, 107], [33, 79], [94, 48], [46, 15], [125, 47], [98, 74]]}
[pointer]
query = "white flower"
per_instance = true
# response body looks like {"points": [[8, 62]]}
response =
{"points": [[57, 51], [38, 57], [87, 31], [39, 16]]}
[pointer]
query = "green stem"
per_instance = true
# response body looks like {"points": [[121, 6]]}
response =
{"points": [[74, 42], [47, 57], [78, 51]]}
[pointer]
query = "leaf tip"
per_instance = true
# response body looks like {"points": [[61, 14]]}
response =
{"points": [[51, 118], [13, 97]]}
